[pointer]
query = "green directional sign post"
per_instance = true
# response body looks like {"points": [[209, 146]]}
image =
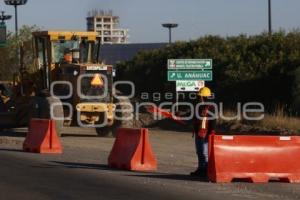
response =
{"points": [[184, 70], [2, 35], [190, 75], [174, 64]]}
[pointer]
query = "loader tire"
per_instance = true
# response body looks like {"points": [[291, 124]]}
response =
{"points": [[126, 115], [107, 131], [42, 110], [58, 112], [124, 105]]}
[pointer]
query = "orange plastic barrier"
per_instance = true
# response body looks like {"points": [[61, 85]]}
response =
{"points": [[132, 151], [42, 137], [254, 158]]}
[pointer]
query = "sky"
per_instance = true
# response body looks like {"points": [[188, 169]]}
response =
{"points": [[143, 18]]}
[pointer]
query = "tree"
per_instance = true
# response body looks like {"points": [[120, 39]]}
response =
{"points": [[9, 63], [258, 68], [296, 92]]}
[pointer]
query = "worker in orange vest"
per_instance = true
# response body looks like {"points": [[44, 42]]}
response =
{"points": [[204, 125]]}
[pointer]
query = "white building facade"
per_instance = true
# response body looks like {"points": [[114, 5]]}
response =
{"points": [[107, 26]]}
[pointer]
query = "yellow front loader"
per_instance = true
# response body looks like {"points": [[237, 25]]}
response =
{"points": [[68, 85]]}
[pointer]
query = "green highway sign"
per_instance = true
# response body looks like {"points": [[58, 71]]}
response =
{"points": [[190, 75], [2, 35], [174, 64]]}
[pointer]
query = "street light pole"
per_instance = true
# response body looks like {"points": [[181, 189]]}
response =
{"points": [[170, 26], [16, 3], [270, 16], [16, 20], [4, 17], [170, 35]]}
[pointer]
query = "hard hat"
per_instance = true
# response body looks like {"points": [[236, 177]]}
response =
{"points": [[204, 92]]}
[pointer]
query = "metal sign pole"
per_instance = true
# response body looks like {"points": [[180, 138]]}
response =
{"points": [[177, 100]]}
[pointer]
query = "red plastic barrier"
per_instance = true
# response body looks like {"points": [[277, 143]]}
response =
{"points": [[132, 151], [42, 137], [255, 158]]}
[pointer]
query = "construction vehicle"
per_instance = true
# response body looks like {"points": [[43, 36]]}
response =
{"points": [[69, 84]]}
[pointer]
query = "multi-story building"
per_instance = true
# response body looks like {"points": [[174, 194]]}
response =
{"points": [[107, 27]]}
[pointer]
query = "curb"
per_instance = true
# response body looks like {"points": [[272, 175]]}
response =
{"points": [[11, 141]]}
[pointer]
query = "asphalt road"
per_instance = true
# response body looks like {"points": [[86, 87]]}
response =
{"points": [[81, 173], [29, 178]]}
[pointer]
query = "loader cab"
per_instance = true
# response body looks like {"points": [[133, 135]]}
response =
{"points": [[52, 48]]}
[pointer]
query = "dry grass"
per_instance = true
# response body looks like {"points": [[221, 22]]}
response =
{"points": [[278, 120], [228, 114]]}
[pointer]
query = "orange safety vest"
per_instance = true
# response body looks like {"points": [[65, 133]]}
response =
{"points": [[202, 131]]}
